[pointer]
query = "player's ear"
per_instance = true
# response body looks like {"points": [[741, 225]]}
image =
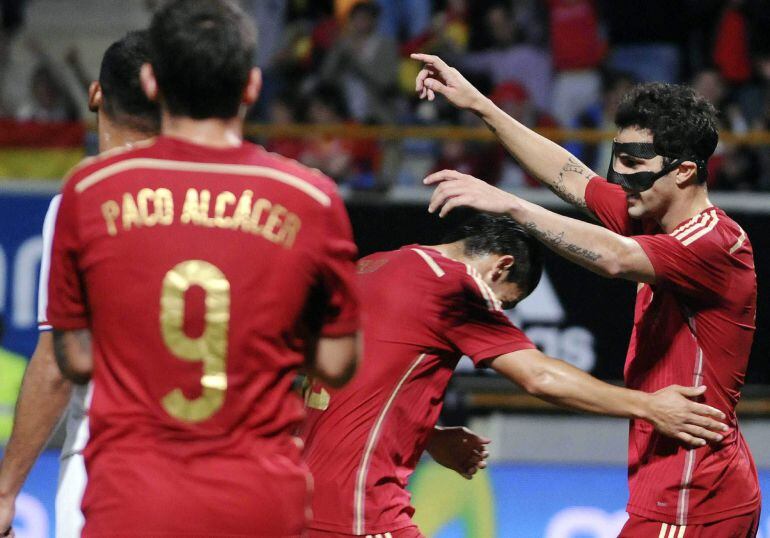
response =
{"points": [[686, 173], [502, 265], [149, 82], [95, 96], [253, 87]]}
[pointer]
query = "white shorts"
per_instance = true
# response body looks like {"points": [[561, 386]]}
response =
{"points": [[69, 495]]}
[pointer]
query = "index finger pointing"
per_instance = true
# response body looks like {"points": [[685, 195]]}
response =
{"points": [[429, 59], [438, 177]]}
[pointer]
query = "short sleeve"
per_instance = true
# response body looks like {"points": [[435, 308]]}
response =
{"points": [[337, 273], [45, 264], [67, 305], [477, 325], [700, 268], [608, 202]]}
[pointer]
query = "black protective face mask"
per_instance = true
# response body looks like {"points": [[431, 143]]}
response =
{"points": [[638, 181]]}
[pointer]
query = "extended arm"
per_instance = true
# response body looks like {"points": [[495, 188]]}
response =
{"points": [[73, 354], [549, 163], [669, 410], [42, 400], [593, 247]]}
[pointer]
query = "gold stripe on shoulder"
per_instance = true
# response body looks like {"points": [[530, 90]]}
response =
{"points": [[217, 168]]}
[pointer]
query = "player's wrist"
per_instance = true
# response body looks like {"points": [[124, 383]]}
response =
{"points": [[482, 106], [642, 408]]}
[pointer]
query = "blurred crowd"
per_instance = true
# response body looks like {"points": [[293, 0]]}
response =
{"points": [[548, 63]]}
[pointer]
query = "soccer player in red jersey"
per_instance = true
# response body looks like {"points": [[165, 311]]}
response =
{"points": [[425, 307], [191, 277], [696, 302], [124, 116]]}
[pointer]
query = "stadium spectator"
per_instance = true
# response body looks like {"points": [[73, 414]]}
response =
{"points": [[509, 58], [364, 63], [49, 98], [514, 99], [601, 115], [404, 19], [646, 37], [578, 49], [731, 47], [346, 160], [281, 113]]}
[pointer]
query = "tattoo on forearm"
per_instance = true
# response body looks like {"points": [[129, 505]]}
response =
{"points": [[557, 242], [559, 188]]}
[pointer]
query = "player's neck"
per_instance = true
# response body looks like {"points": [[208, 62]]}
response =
{"points": [[453, 251], [213, 132], [113, 136], [685, 208]]}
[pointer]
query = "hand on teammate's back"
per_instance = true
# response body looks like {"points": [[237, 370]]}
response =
{"points": [[459, 449], [675, 414], [438, 77]]}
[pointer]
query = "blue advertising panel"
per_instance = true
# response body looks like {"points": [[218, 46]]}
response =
{"points": [[21, 246], [508, 500]]}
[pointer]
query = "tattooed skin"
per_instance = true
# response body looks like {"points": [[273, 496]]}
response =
{"points": [[556, 242], [560, 189]]}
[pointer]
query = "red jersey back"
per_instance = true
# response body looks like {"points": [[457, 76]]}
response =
{"points": [[694, 327], [421, 312], [194, 268]]}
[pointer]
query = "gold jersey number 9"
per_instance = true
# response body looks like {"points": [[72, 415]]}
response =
{"points": [[210, 347]]}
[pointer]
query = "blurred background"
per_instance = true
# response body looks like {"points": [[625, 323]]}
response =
{"points": [[339, 96]]}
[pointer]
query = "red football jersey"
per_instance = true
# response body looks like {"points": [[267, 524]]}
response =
{"points": [[694, 326], [194, 268], [421, 312]]}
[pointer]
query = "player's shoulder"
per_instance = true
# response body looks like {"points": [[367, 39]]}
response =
{"points": [[92, 165], [310, 176], [712, 230], [451, 277]]}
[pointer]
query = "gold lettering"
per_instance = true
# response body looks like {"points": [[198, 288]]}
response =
{"points": [[260, 207], [273, 221], [110, 211], [165, 201], [289, 230], [243, 211], [130, 212], [224, 199], [142, 201], [196, 207]]}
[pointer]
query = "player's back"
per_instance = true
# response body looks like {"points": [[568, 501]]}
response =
{"points": [[198, 264], [420, 312]]}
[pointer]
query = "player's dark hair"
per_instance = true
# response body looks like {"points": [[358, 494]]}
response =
{"points": [[497, 234], [123, 99], [683, 124], [202, 52]]}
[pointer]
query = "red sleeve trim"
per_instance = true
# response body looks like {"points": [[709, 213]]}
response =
{"points": [[68, 323], [496, 351], [649, 250], [340, 328], [589, 195]]}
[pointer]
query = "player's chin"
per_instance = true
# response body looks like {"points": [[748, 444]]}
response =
{"points": [[636, 208]]}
